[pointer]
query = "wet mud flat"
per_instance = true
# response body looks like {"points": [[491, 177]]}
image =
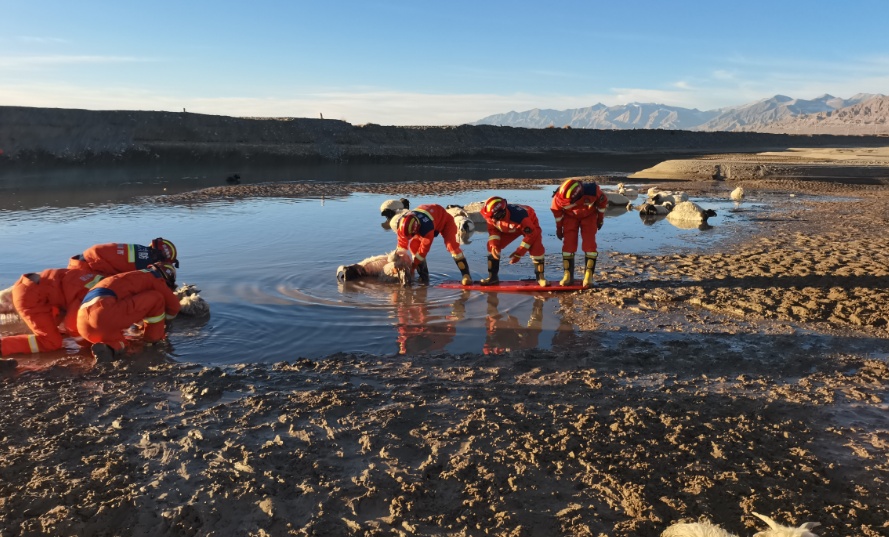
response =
{"points": [[750, 377]]}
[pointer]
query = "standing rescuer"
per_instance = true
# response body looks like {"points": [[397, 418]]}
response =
{"points": [[579, 207], [416, 229], [506, 222]]}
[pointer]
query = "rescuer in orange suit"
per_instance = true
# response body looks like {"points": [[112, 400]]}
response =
{"points": [[506, 222], [143, 297], [40, 300], [579, 207], [113, 258], [416, 229]]}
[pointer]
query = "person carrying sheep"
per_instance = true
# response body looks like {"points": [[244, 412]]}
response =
{"points": [[143, 297], [506, 222], [115, 258], [416, 229], [40, 300], [578, 207]]}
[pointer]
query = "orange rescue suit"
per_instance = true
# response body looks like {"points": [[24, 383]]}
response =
{"points": [[39, 300], [586, 214], [115, 258], [434, 221], [139, 297]]}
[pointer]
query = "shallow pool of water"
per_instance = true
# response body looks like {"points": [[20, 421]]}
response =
{"points": [[267, 268]]}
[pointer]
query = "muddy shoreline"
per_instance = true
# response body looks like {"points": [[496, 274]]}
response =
{"points": [[750, 377]]}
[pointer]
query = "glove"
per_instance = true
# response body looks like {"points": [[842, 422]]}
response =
{"points": [[514, 258], [559, 233], [599, 225]]}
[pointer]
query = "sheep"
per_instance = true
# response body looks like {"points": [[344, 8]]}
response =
{"points": [[474, 211], [616, 198], [689, 213], [465, 225], [394, 267], [390, 208], [190, 302], [6, 305], [737, 194], [629, 193], [653, 209], [705, 529], [672, 197]]}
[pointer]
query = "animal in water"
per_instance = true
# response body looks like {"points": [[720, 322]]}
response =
{"points": [[190, 301], [654, 209], [669, 197], [234, 179], [705, 529], [465, 225], [390, 208], [616, 199], [630, 193], [737, 194], [689, 211], [394, 267], [6, 305]]}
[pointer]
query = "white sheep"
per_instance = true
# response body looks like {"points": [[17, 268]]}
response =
{"points": [[689, 214], [672, 197], [737, 194], [629, 193], [6, 305], [652, 209], [394, 267], [616, 198], [465, 225], [390, 208], [705, 529], [190, 301], [474, 211]]}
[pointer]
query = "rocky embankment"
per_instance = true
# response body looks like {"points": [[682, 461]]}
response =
{"points": [[62, 136]]}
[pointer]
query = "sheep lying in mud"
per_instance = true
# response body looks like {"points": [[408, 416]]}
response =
{"points": [[660, 198], [699, 529], [6, 305], [689, 213], [394, 267], [630, 193]]}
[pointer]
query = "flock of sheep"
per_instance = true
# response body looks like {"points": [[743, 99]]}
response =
{"points": [[393, 267]]}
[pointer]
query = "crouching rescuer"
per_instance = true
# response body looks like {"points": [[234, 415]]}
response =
{"points": [[142, 297], [506, 222], [416, 230], [578, 207]]}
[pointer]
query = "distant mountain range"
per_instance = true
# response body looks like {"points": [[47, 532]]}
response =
{"points": [[860, 114]]}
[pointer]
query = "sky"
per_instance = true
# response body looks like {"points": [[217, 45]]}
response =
{"points": [[423, 62]]}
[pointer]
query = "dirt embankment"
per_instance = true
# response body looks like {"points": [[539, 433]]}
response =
{"points": [[60, 136]]}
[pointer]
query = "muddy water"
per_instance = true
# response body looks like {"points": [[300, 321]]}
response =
{"points": [[267, 268]]}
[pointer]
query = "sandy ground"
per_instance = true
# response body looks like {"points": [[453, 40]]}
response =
{"points": [[751, 377]]}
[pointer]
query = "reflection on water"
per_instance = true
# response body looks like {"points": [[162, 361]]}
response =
{"points": [[267, 268]]}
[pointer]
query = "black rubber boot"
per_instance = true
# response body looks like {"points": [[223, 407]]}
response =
{"points": [[493, 271], [423, 272]]}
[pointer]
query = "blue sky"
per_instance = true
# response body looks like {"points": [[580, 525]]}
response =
{"points": [[433, 63]]}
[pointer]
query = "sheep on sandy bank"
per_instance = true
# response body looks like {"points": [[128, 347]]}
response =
{"points": [[704, 529], [394, 267]]}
